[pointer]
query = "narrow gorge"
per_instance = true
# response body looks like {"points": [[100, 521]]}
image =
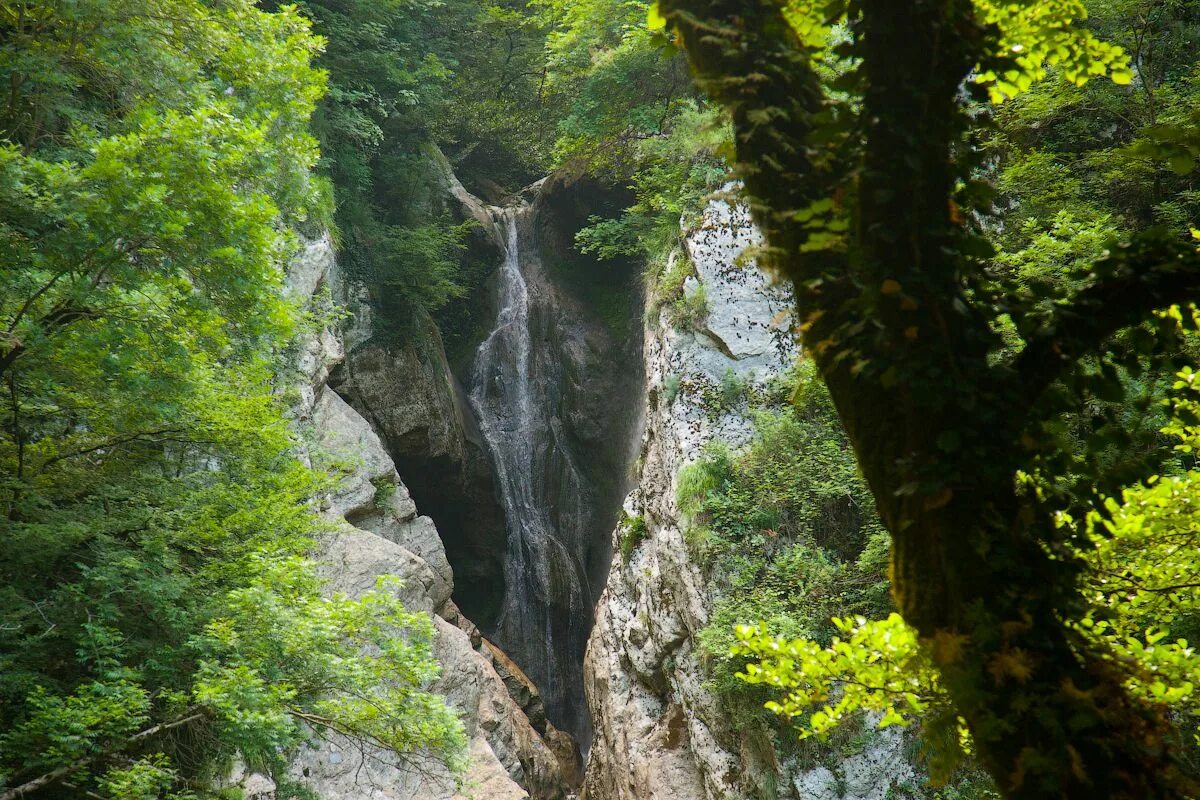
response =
{"points": [[577, 422], [556, 519], [395, 408]]}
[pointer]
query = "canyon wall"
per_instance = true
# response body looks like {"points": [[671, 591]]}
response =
{"points": [[538, 421], [660, 732], [514, 751]]}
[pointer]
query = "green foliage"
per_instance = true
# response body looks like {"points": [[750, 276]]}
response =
{"points": [[1143, 606], [629, 94], [1038, 37], [632, 117], [785, 532], [499, 125], [418, 267], [671, 174], [466, 75], [689, 311], [158, 615], [621, 91], [671, 384], [668, 285], [733, 388], [1057, 251], [988, 395], [280, 655], [387, 70], [147, 778], [686, 306], [1097, 151], [1035, 39], [633, 533]]}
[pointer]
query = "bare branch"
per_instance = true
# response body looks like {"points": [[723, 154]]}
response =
{"points": [[42, 781]]}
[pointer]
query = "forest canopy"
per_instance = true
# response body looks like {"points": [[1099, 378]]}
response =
{"points": [[159, 613]]}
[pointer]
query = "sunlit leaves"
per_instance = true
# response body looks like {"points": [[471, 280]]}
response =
{"points": [[875, 666], [59, 729], [1038, 36], [281, 656], [1140, 586], [814, 21], [655, 21], [1035, 38], [155, 515]]}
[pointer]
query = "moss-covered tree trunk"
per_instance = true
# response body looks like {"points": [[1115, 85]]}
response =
{"points": [[941, 427]]}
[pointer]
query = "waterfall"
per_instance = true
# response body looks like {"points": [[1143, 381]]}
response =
{"points": [[545, 617]]}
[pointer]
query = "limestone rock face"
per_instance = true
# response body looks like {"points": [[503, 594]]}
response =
{"points": [[403, 387], [378, 531], [659, 734]]}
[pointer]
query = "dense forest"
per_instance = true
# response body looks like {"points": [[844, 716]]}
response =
{"points": [[969, 507]]}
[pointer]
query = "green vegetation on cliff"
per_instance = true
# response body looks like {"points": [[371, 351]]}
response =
{"points": [[995, 278], [786, 532]]}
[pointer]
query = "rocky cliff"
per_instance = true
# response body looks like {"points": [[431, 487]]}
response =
{"points": [[514, 751], [659, 731]]}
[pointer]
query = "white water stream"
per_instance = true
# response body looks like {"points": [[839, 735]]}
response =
{"points": [[544, 621]]}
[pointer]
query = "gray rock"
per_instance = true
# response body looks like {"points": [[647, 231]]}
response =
{"points": [[659, 733], [347, 444], [377, 531]]}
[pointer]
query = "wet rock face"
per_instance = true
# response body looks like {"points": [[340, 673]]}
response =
{"points": [[554, 390], [404, 388], [520, 449]]}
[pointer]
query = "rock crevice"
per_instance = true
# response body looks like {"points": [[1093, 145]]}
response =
{"points": [[379, 531]]}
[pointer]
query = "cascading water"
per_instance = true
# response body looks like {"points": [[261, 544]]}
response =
{"points": [[544, 621]]}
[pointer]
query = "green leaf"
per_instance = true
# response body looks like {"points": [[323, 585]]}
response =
{"points": [[655, 21]]}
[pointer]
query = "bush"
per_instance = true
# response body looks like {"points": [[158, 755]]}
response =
{"points": [[689, 312], [733, 388], [670, 388], [633, 533], [785, 529]]}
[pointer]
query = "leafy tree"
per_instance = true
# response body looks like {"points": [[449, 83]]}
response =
{"points": [[389, 75], [950, 376], [1145, 608], [158, 614]]}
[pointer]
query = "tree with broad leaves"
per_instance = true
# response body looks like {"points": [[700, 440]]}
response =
{"points": [[951, 378]]}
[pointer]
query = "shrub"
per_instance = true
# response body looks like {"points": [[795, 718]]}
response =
{"points": [[686, 311], [733, 388], [784, 529], [670, 388], [633, 533], [689, 312]]}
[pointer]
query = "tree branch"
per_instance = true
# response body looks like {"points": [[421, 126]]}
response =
{"points": [[161, 435], [42, 781], [1152, 272]]}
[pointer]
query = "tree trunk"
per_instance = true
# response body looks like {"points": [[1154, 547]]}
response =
{"points": [[936, 423]]}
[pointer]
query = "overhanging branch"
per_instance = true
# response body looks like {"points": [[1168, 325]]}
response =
{"points": [[1152, 272], [46, 779]]}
